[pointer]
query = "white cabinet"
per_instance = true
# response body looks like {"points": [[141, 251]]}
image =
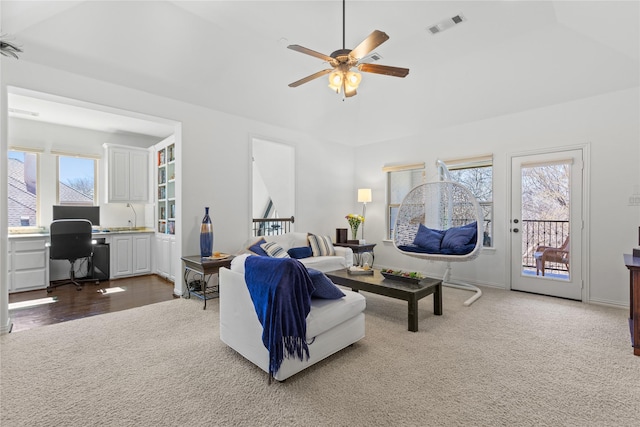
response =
{"points": [[130, 254], [165, 252], [127, 174], [27, 264]]}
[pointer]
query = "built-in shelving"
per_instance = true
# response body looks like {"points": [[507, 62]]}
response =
{"points": [[166, 188]]}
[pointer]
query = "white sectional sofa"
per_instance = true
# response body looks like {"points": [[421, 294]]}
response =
{"points": [[343, 257], [332, 324]]}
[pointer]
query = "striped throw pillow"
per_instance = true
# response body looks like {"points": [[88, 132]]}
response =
{"points": [[274, 250], [321, 245]]}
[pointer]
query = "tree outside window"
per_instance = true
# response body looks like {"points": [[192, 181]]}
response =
{"points": [[477, 176], [76, 181]]}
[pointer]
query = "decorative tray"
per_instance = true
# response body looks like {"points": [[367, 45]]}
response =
{"points": [[401, 276], [217, 257], [359, 271]]}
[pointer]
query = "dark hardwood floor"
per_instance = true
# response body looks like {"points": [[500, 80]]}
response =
{"points": [[92, 300]]}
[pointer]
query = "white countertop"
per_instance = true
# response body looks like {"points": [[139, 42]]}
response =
{"points": [[102, 232]]}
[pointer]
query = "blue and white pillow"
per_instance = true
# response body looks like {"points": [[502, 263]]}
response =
{"points": [[274, 250], [321, 245]]}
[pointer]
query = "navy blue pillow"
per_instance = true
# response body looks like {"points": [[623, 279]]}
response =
{"points": [[457, 237], [428, 239], [256, 249], [301, 252], [324, 287]]}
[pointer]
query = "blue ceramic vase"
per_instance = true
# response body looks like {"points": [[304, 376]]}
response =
{"points": [[206, 235]]}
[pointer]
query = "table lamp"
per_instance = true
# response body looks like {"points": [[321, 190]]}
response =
{"points": [[364, 197]]}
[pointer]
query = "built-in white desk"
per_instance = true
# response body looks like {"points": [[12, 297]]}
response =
{"points": [[29, 267]]}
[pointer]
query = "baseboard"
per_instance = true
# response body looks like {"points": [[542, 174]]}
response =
{"points": [[608, 303], [5, 329]]}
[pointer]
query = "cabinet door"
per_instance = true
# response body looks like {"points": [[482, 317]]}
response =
{"points": [[121, 256], [139, 176], [141, 254], [171, 263], [119, 171], [163, 256], [28, 266]]}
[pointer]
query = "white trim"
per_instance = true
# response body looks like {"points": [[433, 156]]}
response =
{"points": [[403, 167]]}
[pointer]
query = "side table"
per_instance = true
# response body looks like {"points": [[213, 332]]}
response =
{"points": [[196, 265], [358, 251]]}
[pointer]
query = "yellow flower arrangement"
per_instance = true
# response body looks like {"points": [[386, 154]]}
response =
{"points": [[354, 222]]}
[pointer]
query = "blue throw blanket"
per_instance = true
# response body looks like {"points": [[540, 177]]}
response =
{"points": [[281, 290]]}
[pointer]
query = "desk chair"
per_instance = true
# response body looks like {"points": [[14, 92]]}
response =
{"points": [[71, 239]]}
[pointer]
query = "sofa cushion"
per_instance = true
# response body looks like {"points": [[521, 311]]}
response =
{"points": [[301, 252], [290, 240], [255, 248], [328, 313], [325, 263], [274, 250], [321, 245], [323, 286]]}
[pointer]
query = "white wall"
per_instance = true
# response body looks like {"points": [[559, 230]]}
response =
{"points": [[608, 123], [216, 151]]}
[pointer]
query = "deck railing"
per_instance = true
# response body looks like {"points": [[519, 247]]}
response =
{"points": [[542, 233], [271, 226]]}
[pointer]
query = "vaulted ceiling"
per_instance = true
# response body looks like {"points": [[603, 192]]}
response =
{"points": [[232, 56]]}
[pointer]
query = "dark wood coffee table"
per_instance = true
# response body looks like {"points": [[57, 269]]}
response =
{"points": [[378, 284]]}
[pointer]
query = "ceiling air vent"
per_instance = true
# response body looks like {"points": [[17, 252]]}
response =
{"points": [[446, 24], [372, 57]]}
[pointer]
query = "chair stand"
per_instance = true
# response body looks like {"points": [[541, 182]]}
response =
{"points": [[70, 281], [446, 281]]}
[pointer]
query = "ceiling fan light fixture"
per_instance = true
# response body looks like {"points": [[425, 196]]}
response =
{"points": [[335, 81], [353, 79], [343, 60]]}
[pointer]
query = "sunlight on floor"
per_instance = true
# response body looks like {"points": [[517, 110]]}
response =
{"points": [[32, 303], [111, 290]]}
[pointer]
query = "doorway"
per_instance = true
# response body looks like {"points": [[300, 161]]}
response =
{"points": [[546, 223], [273, 187]]}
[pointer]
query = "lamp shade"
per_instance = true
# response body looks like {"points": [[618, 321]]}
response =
{"points": [[364, 195]]}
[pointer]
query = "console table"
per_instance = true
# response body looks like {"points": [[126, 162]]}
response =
{"points": [[633, 264], [358, 250], [205, 267]]}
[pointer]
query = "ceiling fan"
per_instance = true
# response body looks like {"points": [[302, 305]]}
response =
{"points": [[341, 76]]}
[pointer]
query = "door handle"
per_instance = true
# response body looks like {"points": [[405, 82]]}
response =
{"points": [[515, 230]]}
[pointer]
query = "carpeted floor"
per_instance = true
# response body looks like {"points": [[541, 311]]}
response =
{"points": [[511, 359]]}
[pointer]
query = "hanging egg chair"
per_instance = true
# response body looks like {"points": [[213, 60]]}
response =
{"points": [[441, 221]]}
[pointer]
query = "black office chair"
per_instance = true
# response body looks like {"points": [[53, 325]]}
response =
{"points": [[71, 239]]}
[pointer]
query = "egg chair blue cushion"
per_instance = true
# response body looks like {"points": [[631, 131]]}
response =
{"points": [[453, 241]]}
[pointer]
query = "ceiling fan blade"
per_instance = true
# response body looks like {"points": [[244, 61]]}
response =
{"points": [[309, 78], [383, 69], [304, 50], [374, 40]]}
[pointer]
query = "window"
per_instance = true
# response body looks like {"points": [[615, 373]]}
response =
{"points": [[400, 180], [76, 181], [22, 189], [477, 175]]}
